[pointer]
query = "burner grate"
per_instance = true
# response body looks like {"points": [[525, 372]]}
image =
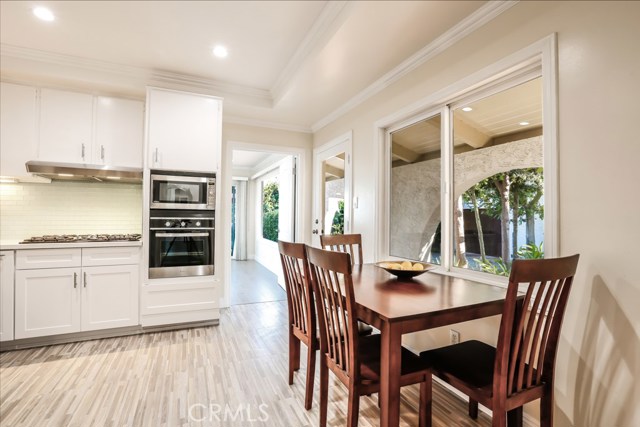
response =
{"points": [[70, 238]]}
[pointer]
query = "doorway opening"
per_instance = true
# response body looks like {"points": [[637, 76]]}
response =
{"points": [[263, 211]]}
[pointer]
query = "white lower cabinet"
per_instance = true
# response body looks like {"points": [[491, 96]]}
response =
{"points": [[109, 296], [53, 301], [6, 295], [47, 302]]}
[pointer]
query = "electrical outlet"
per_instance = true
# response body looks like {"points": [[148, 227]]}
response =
{"points": [[454, 336]]}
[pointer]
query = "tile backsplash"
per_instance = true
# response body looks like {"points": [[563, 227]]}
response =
{"points": [[69, 208]]}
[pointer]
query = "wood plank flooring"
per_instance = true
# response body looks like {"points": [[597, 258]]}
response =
{"points": [[234, 374]]}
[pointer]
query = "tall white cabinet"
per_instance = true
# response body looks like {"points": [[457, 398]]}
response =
{"points": [[184, 130]]}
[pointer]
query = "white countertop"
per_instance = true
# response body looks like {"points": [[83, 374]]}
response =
{"points": [[14, 245]]}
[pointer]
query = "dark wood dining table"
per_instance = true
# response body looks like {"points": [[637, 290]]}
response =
{"points": [[399, 306]]}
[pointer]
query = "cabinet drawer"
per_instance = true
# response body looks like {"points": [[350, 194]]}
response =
{"points": [[122, 255], [48, 258]]}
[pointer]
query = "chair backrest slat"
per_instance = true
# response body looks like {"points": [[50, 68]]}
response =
{"points": [[348, 243], [335, 304], [528, 337], [299, 296]]}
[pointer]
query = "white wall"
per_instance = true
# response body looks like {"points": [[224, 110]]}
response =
{"points": [[598, 364], [69, 208]]}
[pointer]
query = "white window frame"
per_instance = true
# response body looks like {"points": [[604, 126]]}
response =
{"points": [[536, 60]]}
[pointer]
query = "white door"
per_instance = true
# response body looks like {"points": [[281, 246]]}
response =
{"points": [[66, 126], [18, 136], [332, 188], [109, 297], [6, 295], [47, 302], [184, 131], [119, 132]]}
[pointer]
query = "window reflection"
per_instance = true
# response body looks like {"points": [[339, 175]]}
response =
{"points": [[498, 211], [414, 227]]}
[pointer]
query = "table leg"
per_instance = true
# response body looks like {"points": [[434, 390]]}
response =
{"points": [[390, 352]]}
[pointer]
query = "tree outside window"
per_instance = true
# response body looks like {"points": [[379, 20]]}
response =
{"points": [[270, 202]]}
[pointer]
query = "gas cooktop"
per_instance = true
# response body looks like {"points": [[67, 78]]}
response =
{"points": [[71, 238]]}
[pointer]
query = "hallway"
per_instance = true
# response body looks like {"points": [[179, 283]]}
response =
{"points": [[252, 283]]}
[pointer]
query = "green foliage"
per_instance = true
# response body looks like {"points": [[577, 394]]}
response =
{"points": [[501, 268], [270, 205], [337, 226], [531, 251], [497, 266]]}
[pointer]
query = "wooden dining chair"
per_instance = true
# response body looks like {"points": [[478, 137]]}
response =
{"points": [[520, 368], [349, 243], [353, 358], [302, 316]]}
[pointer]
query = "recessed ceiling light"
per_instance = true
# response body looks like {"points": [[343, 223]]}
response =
{"points": [[523, 123], [220, 51], [44, 14], [467, 109]]}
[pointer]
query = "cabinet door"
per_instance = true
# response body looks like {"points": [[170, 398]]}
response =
{"points": [[47, 302], [6, 295], [119, 132], [109, 297], [66, 125], [184, 131], [18, 136]]}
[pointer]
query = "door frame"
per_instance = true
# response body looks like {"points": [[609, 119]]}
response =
{"points": [[342, 143], [227, 177]]}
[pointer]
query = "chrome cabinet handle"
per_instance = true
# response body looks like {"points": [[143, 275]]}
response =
{"points": [[75, 280], [82, 151], [156, 155], [102, 152], [85, 279]]}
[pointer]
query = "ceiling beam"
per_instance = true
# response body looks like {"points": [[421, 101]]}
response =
{"points": [[403, 153], [333, 171], [463, 132]]}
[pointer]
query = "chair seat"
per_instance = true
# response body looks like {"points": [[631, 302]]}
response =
{"points": [[369, 353], [470, 361]]}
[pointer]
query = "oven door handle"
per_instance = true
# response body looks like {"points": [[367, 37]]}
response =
{"points": [[182, 234]]}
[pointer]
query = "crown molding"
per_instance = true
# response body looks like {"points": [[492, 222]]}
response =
{"points": [[265, 124], [462, 29], [259, 97], [330, 19]]}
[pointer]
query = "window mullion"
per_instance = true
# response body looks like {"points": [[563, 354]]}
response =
{"points": [[446, 195]]}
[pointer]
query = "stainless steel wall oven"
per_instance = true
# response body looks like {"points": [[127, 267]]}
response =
{"points": [[181, 243]]}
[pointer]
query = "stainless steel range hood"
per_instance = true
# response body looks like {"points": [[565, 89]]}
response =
{"points": [[84, 172]]}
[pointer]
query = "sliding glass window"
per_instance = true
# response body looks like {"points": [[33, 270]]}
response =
{"points": [[486, 151]]}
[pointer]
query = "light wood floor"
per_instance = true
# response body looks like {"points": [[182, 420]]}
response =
{"points": [[185, 378], [251, 282]]}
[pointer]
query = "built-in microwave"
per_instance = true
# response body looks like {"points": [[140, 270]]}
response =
{"points": [[179, 190]]}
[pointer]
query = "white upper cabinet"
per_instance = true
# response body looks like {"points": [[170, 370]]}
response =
{"points": [[119, 132], [66, 126], [18, 136], [82, 128], [184, 131]]}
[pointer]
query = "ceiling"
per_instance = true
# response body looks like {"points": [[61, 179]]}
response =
{"points": [[500, 114], [291, 64]]}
